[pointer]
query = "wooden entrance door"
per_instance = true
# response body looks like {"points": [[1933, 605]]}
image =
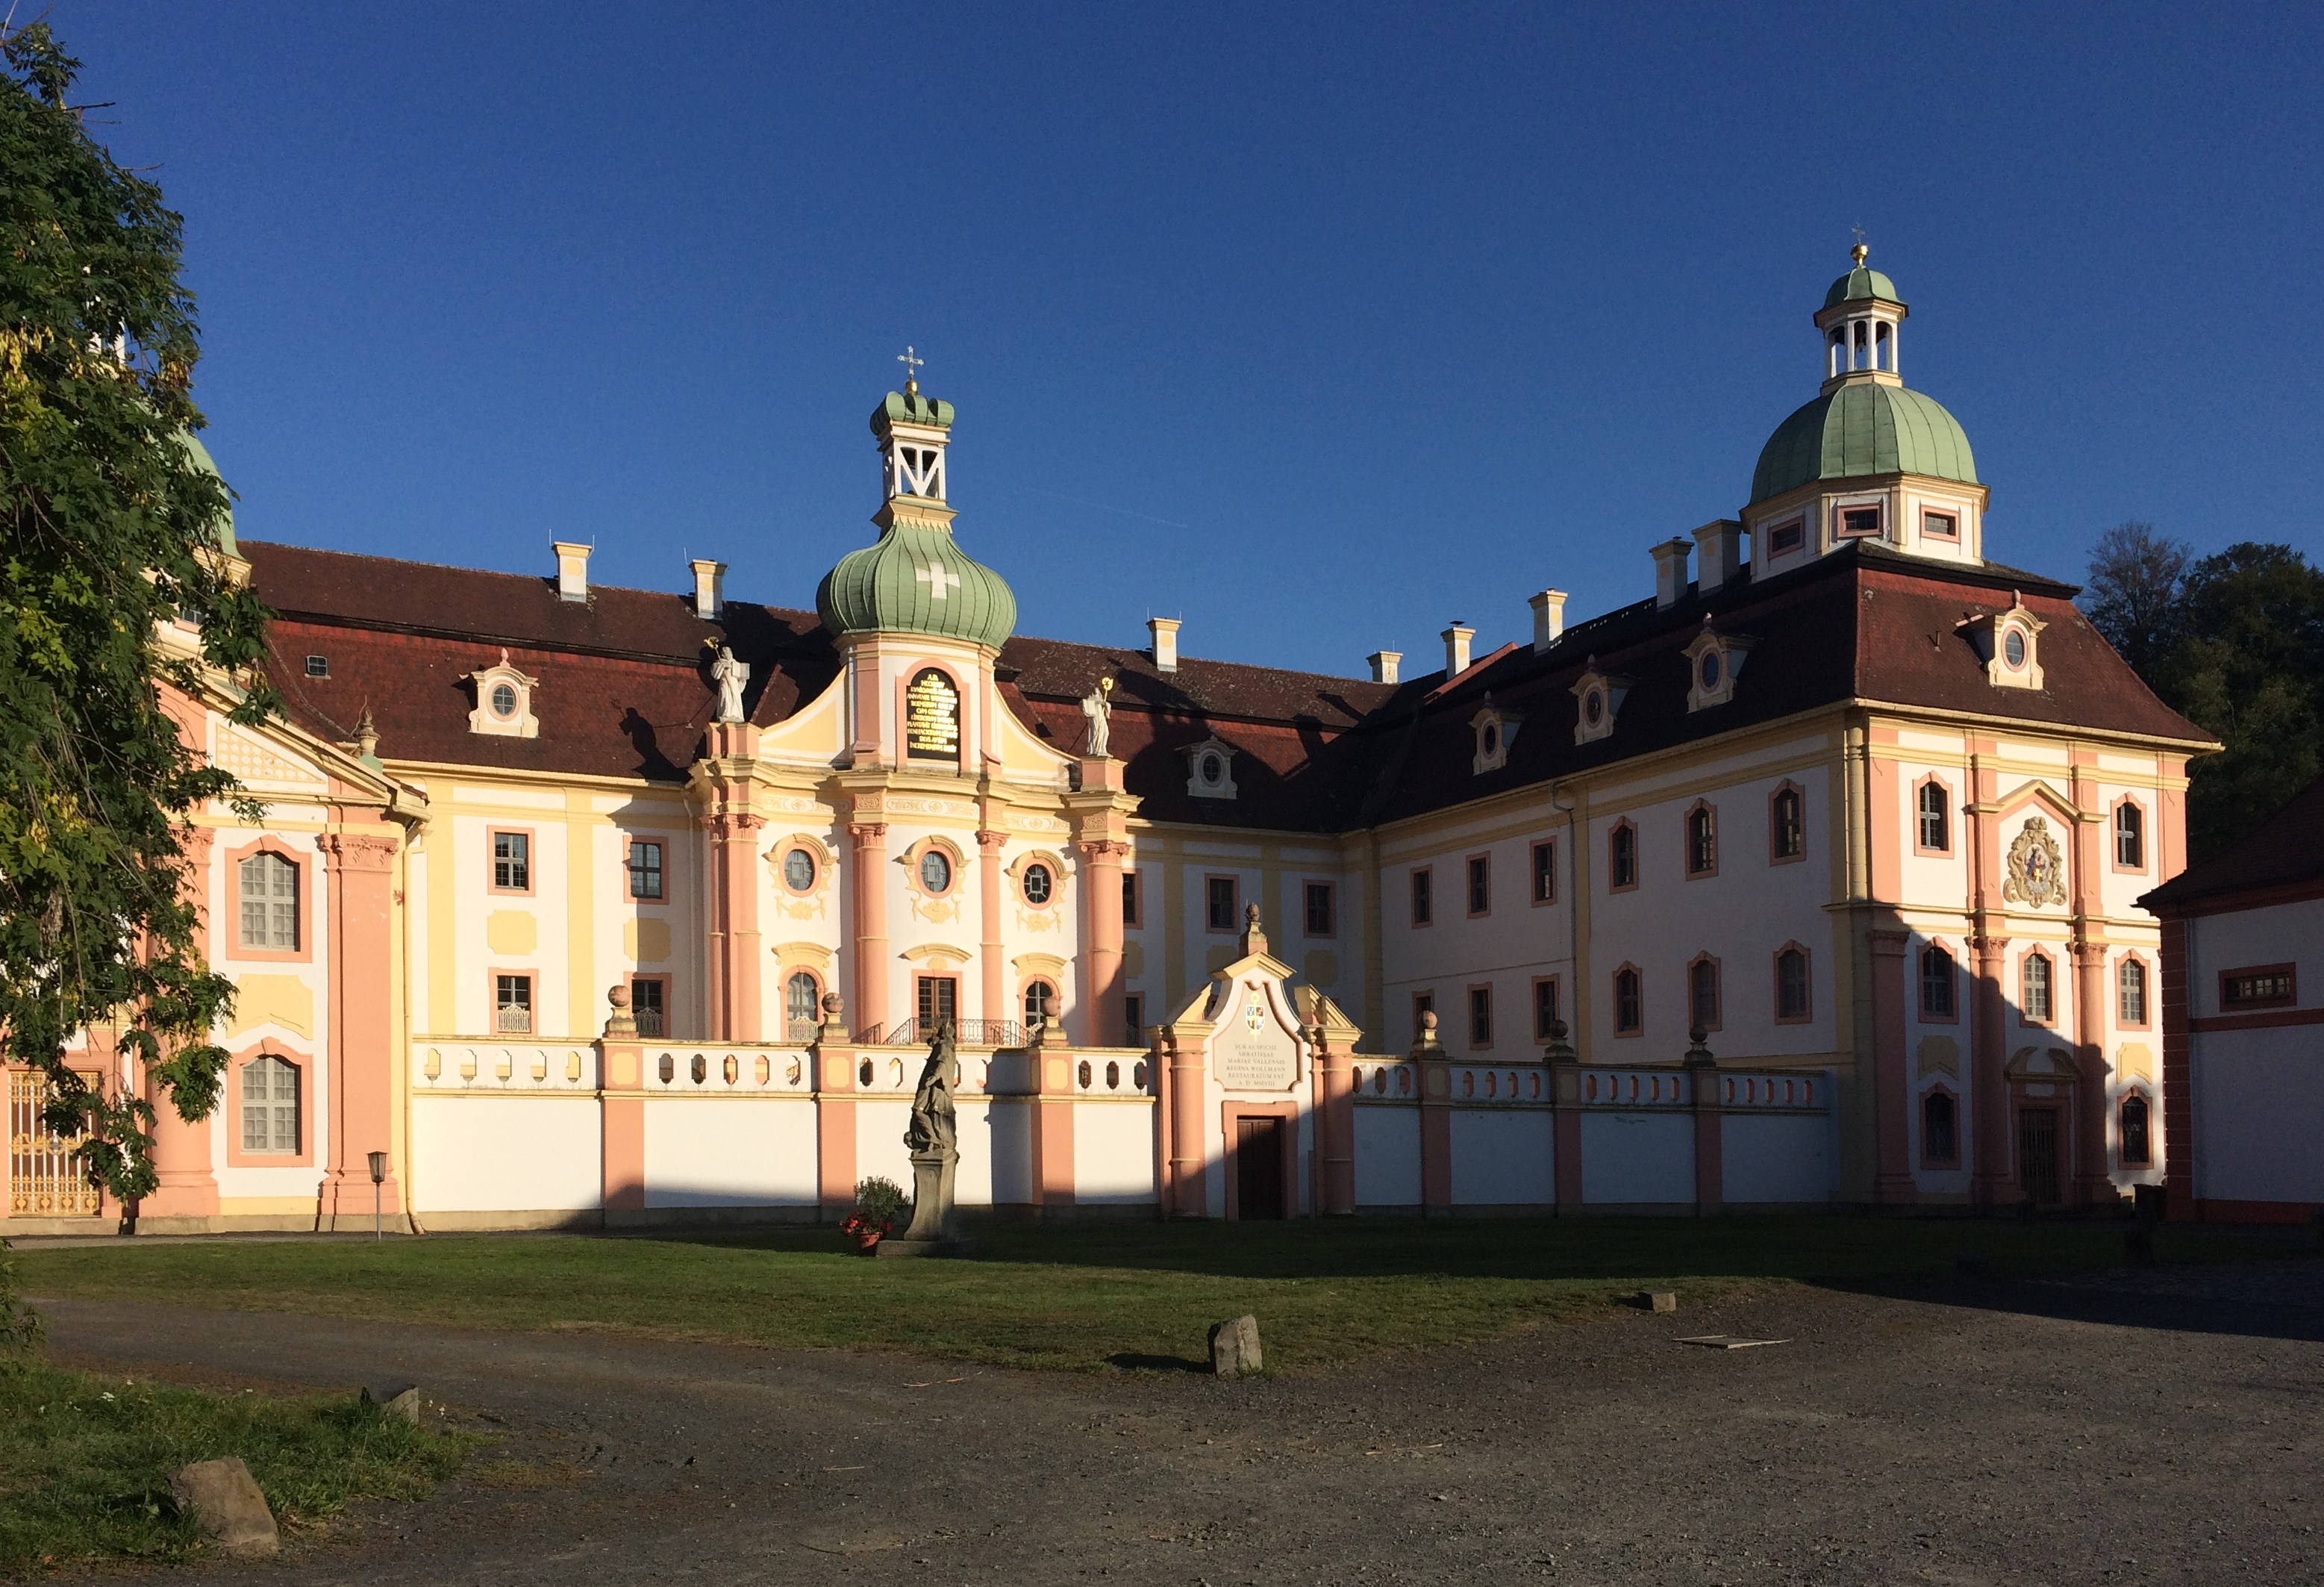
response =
{"points": [[1259, 1166], [2037, 1155]]}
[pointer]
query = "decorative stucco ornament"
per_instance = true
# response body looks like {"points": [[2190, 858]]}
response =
{"points": [[2037, 870]]}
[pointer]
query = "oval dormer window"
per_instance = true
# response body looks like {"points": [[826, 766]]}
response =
{"points": [[935, 871], [1595, 706], [1491, 739], [799, 870], [1214, 769], [2014, 647], [503, 699], [1709, 669]]}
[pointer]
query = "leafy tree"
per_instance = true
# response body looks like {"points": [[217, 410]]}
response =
{"points": [[110, 528], [2246, 663], [2132, 594]]}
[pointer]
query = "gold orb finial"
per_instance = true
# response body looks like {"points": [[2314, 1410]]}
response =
{"points": [[1858, 255]]}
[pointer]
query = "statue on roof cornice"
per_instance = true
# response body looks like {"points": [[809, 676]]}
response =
{"points": [[729, 675]]}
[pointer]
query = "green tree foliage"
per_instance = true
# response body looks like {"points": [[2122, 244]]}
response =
{"points": [[2233, 642], [111, 526]]}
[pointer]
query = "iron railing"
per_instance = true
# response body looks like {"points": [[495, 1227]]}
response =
{"points": [[966, 1032]]}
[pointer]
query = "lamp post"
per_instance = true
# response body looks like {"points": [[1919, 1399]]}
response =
{"points": [[378, 1173]]}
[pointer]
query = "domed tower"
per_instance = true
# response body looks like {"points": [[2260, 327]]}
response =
{"points": [[1869, 458], [918, 620]]}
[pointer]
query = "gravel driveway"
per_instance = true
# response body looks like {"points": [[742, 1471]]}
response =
{"points": [[2150, 1428]]}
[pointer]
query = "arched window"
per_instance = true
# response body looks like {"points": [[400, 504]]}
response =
{"points": [[1629, 1009], [1792, 985], [1936, 982], [1702, 994], [2129, 836], [1622, 855], [2138, 1142], [1936, 819], [802, 1001], [1040, 1004], [1701, 841], [1787, 826], [270, 902], [2037, 1004], [2130, 981], [269, 1106], [1940, 1131]]}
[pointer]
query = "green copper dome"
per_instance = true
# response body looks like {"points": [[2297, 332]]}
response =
{"points": [[1861, 429], [914, 579], [1859, 284], [201, 456]]}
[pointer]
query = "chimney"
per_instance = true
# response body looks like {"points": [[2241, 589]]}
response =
{"points": [[572, 570], [1548, 619], [1456, 648], [1383, 663], [1165, 631], [1670, 573], [1721, 559], [709, 588]]}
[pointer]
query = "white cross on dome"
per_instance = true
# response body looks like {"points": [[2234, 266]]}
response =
{"points": [[937, 578]]}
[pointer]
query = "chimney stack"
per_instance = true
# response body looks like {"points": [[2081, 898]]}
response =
{"points": [[1670, 573], [1721, 547], [1548, 619], [1165, 631], [1383, 664], [709, 588], [1456, 647], [572, 570]]}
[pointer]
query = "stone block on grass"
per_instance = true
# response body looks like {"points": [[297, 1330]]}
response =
{"points": [[1658, 1300], [224, 1499], [1234, 1347], [394, 1398]]}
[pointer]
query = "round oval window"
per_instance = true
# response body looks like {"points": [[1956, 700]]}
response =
{"points": [[1595, 705], [2014, 647], [935, 871], [1492, 738], [1037, 884], [799, 870], [1710, 668], [503, 699], [1213, 769]]}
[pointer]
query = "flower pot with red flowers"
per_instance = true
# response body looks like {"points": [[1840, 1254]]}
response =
{"points": [[879, 1203]]}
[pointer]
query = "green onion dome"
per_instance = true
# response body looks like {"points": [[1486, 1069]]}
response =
{"points": [[1863, 429], [915, 580], [223, 528]]}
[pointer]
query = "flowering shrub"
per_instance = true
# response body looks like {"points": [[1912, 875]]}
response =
{"points": [[879, 1203]]}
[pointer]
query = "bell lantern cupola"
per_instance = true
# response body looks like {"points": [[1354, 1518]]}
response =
{"points": [[913, 431], [1869, 461]]}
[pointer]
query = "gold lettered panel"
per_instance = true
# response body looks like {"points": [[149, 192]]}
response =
{"points": [[932, 717]]}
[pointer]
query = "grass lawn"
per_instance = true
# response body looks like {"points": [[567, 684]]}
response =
{"points": [[85, 1461], [1079, 1296]]}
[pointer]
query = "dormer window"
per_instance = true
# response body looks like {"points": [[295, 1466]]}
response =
{"points": [[1600, 696], [1714, 661], [1787, 536], [1941, 526], [1211, 769], [1496, 731], [2009, 644], [318, 666], [1857, 520], [503, 702]]}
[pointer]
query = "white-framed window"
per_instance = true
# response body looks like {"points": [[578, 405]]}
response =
{"points": [[269, 888], [270, 1107]]}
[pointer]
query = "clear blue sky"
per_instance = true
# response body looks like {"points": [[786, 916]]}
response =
{"points": [[1316, 327]]}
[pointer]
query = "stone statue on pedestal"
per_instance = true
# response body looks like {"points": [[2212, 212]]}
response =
{"points": [[933, 1140], [1099, 708], [729, 675]]}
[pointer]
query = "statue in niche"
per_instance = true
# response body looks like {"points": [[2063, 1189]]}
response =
{"points": [[729, 675], [932, 1126], [1099, 708]]}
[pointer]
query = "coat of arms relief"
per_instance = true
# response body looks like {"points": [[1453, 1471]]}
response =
{"points": [[2037, 868]]}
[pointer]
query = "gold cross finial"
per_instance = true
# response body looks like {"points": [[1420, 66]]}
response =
{"points": [[1858, 252], [911, 370]]}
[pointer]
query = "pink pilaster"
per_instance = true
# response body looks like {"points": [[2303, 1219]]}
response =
{"points": [[358, 862]]}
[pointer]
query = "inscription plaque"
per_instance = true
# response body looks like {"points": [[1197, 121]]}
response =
{"points": [[932, 717], [1254, 1053]]}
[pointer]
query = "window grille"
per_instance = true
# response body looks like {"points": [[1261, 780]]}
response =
{"points": [[269, 1106], [270, 902]]}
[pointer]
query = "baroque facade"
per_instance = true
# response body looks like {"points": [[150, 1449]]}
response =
{"points": [[584, 903]]}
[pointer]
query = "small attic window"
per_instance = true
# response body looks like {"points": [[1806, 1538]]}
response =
{"points": [[1857, 523], [1496, 731], [505, 700], [318, 666], [2012, 646], [1210, 770], [1214, 769], [1939, 526], [1787, 536], [1711, 666]]}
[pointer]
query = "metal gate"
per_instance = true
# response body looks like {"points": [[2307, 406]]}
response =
{"points": [[43, 1180]]}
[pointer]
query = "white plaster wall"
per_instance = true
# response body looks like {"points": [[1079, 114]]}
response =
{"points": [[549, 904], [972, 1179], [1113, 1152], [1388, 1156], [2259, 1114], [1638, 1158], [2280, 934], [1009, 1149], [1776, 1158], [730, 1152], [506, 1154], [1505, 948], [879, 1147], [240, 1182], [1504, 1158]]}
